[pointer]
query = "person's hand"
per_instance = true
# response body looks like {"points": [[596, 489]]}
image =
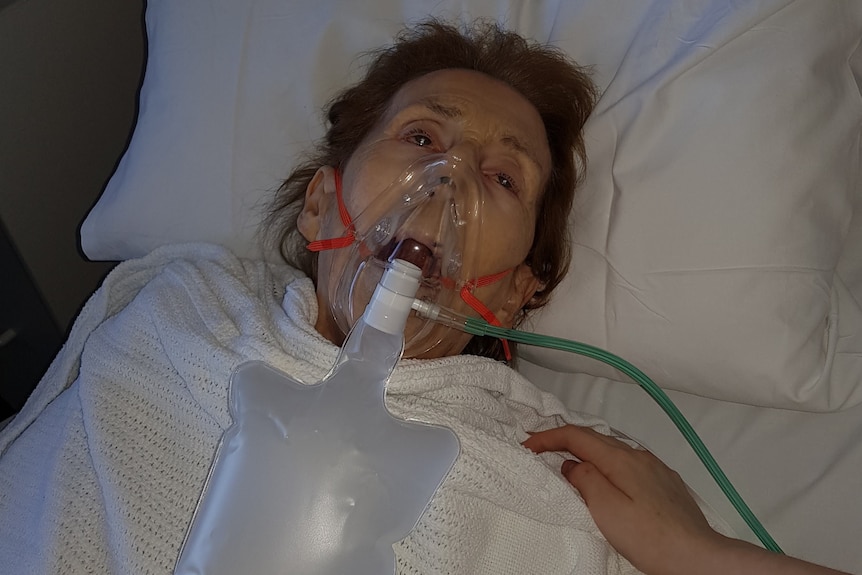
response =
{"points": [[646, 512], [641, 506]]}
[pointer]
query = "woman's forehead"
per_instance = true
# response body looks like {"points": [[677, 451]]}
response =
{"points": [[479, 101]]}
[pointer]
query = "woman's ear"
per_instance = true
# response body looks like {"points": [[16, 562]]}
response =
{"points": [[524, 286], [318, 197]]}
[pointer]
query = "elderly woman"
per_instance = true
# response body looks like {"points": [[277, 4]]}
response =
{"points": [[102, 470], [513, 111]]}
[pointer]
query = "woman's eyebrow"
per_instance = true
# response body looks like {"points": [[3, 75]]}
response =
{"points": [[513, 143], [510, 141], [438, 107]]}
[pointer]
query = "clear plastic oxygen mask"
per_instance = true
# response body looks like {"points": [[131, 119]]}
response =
{"points": [[321, 479], [439, 214]]}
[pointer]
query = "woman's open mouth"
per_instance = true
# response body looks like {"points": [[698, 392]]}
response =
{"points": [[412, 251]]}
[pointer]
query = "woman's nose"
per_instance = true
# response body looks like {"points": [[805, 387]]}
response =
{"points": [[467, 153], [466, 167]]}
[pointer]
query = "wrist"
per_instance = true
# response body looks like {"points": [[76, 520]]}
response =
{"points": [[706, 554], [722, 555]]}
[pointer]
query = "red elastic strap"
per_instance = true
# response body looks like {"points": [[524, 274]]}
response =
{"points": [[342, 209], [483, 281], [482, 309], [349, 236], [488, 280], [333, 244]]}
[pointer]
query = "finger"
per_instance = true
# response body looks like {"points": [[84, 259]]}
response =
{"points": [[598, 491], [557, 439], [582, 442]]}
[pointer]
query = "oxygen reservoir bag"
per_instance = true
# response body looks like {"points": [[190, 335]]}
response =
{"points": [[320, 479]]}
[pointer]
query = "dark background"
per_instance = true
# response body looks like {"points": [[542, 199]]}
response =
{"points": [[69, 76]]}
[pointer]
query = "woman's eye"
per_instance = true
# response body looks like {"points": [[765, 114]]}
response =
{"points": [[419, 138], [507, 182]]}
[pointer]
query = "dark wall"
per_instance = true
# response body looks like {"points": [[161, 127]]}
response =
{"points": [[29, 336], [69, 75]]}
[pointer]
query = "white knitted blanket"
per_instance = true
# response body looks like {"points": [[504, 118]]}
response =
{"points": [[101, 471]]}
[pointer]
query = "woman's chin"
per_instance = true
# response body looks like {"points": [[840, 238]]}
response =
{"points": [[424, 341]]}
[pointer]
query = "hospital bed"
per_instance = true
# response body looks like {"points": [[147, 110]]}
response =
{"points": [[717, 235]]}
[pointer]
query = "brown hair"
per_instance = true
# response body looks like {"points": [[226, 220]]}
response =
{"points": [[560, 91]]}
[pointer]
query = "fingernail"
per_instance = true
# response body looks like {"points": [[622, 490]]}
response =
{"points": [[567, 466]]}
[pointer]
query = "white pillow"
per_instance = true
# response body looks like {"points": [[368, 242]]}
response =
{"points": [[724, 170], [232, 95], [724, 174]]}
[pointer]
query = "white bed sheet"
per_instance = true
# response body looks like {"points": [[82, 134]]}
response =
{"points": [[800, 472]]}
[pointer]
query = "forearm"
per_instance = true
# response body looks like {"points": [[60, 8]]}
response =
{"points": [[725, 556]]}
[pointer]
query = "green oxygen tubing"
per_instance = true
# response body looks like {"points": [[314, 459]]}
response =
{"points": [[477, 326]]}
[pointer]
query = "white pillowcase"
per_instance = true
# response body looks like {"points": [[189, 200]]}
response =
{"points": [[714, 235], [232, 96], [723, 178]]}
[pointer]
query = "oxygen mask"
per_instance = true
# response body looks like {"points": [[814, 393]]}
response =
{"points": [[434, 215]]}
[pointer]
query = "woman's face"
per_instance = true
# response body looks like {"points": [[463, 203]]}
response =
{"points": [[494, 132]]}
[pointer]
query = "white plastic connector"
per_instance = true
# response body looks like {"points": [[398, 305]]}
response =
{"points": [[391, 303], [426, 309], [441, 315]]}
